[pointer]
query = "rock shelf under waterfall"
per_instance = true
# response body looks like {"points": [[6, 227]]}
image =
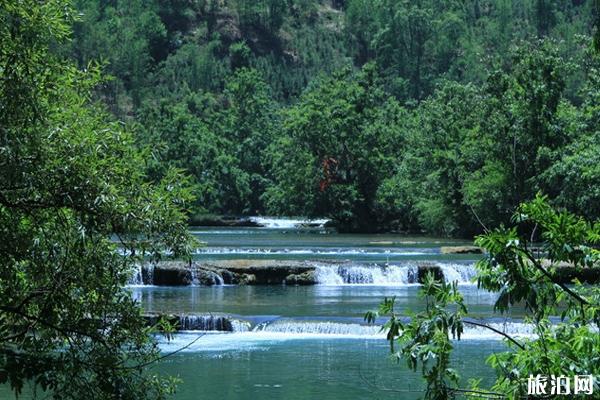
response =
{"points": [[272, 272], [289, 272]]}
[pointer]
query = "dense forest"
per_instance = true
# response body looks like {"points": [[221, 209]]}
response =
{"points": [[438, 116], [122, 122]]}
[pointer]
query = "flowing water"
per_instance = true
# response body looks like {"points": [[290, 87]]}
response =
{"points": [[310, 342]]}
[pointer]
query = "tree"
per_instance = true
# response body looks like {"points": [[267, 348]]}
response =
{"points": [[190, 134], [251, 122], [76, 213], [340, 143], [130, 37], [521, 276], [575, 167], [266, 14], [596, 41], [443, 157]]}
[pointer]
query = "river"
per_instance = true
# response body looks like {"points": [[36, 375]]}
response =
{"points": [[310, 342]]}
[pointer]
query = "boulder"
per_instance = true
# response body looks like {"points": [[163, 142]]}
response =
{"points": [[424, 269], [172, 274], [461, 250], [247, 279], [207, 278], [229, 278], [305, 278]]}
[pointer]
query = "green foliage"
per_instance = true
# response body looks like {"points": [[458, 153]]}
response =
{"points": [[419, 43], [597, 25], [346, 129], [522, 276], [217, 140], [76, 213], [475, 106]]}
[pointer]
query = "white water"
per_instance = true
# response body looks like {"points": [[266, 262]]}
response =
{"points": [[136, 278], [287, 223], [396, 274], [335, 275], [462, 273], [313, 251], [142, 275], [513, 329], [285, 330], [471, 332], [318, 327], [212, 323]]}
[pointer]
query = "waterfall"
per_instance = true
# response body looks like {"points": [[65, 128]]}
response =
{"points": [[189, 322], [148, 274], [142, 275], [137, 276], [315, 251], [328, 275], [396, 274], [318, 327], [463, 273], [205, 277], [301, 327], [287, 223], [366, 274], [218, 279]]}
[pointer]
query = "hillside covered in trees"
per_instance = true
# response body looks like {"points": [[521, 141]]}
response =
{"points": [[428, 115]]}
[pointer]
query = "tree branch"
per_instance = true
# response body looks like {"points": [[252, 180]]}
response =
{"points": [[499, 332]]}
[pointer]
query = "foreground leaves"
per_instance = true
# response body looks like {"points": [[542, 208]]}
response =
{"points": [[76, 214], [525, 265]]}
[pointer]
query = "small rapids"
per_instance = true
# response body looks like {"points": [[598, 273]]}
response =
{"points": [[406, 273], [471, 332], [317, 327], [288, 223], [266, 334]]}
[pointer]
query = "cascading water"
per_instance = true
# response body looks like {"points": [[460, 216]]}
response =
{"points": [[217, 323], [219, 279], [366, 274], [305, 327], [205, 277], [142, 275], [513, 329], [462, 273], [149, 274], [315, 251], [137, 276], [398, 274], [287, 223]]}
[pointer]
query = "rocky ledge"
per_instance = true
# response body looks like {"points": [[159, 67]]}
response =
{"points": [[199, 322], [240, 272], [249, 272], [289, 272], [461, 250]]}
